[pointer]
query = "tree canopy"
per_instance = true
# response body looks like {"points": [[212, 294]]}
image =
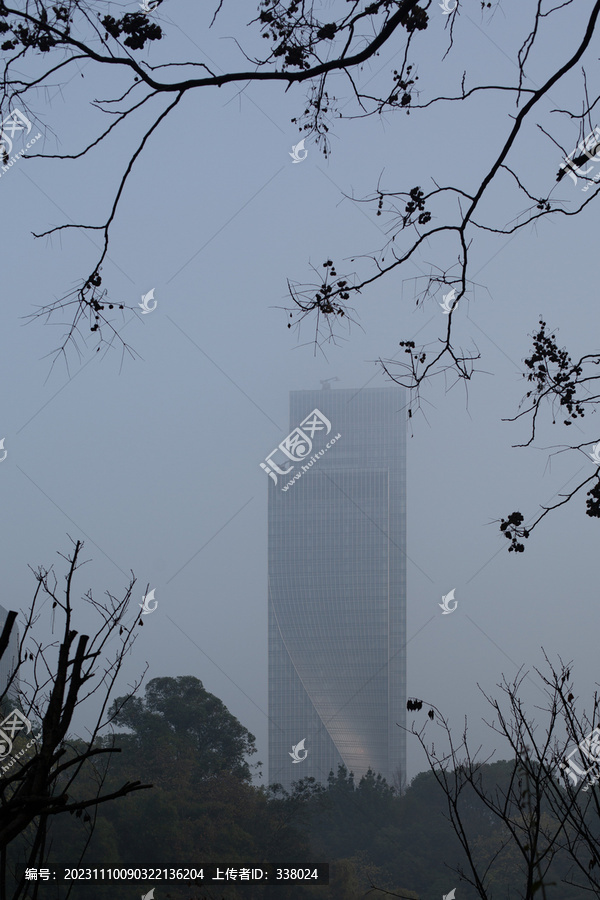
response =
{"points": [[178, 717]]}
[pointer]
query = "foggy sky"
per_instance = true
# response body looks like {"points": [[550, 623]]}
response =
{"points": [[154, 461]]}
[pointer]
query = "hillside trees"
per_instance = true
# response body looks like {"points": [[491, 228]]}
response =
{"points": [[543, 819], [54, 679]]}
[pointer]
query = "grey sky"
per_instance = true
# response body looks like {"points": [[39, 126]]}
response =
{"points": [[155, 462]]}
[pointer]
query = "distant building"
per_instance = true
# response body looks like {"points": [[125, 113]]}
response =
{"points": [[337, 586], [9, 661]]}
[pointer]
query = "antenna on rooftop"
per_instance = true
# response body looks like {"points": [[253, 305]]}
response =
{"points": [[325, 382]]}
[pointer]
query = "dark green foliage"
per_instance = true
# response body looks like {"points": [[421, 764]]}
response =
{"points": [[41, 33], [554, 374], [593, 503], [512, 530], [137, 28], [203, 808], [179, 717]]}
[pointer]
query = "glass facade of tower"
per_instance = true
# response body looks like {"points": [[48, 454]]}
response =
{"points": [[337, 586]]}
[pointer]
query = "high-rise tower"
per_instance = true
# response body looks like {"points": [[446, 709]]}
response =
{"points": [[9, 661], [337, 586]]}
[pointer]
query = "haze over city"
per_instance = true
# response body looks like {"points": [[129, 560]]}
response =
{"points": [[152, 457]]}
